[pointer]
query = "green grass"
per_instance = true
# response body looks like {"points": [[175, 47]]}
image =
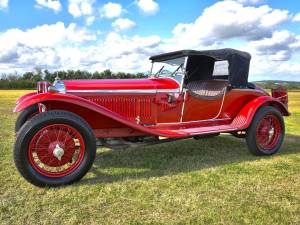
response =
{"points": [[212, 181]]}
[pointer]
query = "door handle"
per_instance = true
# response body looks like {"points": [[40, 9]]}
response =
{"points": [[174, 98]]}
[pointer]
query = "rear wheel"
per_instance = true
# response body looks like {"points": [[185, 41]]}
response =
{"points": [[54, 148], [266, 132]]}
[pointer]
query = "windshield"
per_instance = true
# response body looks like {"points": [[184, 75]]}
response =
{"points": [[168, 68]]}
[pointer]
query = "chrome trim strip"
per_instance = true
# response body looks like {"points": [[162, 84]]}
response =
{"points": [[248, 90], [168, 90], [147, 91], [194, 121]]}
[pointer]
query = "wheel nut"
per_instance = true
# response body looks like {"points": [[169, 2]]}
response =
{"points": [[58, 152]]}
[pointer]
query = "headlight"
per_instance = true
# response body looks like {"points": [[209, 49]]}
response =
{"points": [[57, 87]]}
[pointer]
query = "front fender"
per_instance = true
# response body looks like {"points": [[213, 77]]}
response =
{"points": [[243, 119], [47, 97], [23, 97]]}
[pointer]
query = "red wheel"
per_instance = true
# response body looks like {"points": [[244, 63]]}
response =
{"points": [[54, 148], [266, 132]]}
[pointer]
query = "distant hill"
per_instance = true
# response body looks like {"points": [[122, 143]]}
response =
{"points": [[268, 84]]}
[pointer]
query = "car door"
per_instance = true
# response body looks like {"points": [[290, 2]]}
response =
{"points": [[169, 103], [169, 107], [203, 100]]}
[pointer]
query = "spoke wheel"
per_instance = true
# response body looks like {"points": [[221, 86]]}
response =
{"points": [[56, 150], [266, 132]]}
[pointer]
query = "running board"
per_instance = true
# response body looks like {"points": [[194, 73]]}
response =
{"points": [[122, 144], [197, 131]]}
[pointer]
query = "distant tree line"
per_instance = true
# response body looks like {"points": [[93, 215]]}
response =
{"points": [[29, 79], [269, 84]]}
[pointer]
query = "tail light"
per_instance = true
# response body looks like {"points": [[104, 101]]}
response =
{"points": [[42, 87], [281, 94]]}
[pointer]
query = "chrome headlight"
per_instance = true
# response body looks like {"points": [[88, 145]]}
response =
{"points": [[57, 87]]}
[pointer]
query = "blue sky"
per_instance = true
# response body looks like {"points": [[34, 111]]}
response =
{"points": [[24, 15], [121, 34]]}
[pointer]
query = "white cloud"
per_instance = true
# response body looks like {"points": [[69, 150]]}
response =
{"points": [[52, 4], [111, 10], [123, 24], [279, 47], [296, 44], [149, 7], [122, 53], [39, 36], [79, 8], [86, 8], [288, 68], [274, 18], [22, 49], [296, 18], [74, 10], [250, 1], [90, 20], [3, 4], [229, 19]]}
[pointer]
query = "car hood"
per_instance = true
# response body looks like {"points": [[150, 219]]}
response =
{"points": [[120, 84]]}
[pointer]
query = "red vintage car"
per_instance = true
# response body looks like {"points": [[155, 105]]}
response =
{"points": [[188, 94]]}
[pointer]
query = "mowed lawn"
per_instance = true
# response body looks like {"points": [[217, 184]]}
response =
{"points": [[212, 181]]}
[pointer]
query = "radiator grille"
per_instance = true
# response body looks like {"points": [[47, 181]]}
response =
{"points": [[130, 107]]}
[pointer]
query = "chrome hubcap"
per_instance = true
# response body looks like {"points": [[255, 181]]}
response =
{"points": [[58, 152], [271, 133]]}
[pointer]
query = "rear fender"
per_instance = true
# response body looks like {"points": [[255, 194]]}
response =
{"points": [[243, 119], [48, 98]]}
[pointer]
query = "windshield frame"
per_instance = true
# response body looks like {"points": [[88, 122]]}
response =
{"points": [[172, 74], [178, 76]]}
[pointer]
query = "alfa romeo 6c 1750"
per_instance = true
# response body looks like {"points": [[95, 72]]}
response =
{"points": [[188, 94]]}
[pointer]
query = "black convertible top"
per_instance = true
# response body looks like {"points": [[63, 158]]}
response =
{"points": [[239, 62]]}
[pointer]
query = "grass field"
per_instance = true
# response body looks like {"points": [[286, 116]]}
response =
{"points": [[213, 181]]}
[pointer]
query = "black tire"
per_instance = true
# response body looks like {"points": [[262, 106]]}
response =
{"points": [[32, 126], [251, 139], [25, 115]]}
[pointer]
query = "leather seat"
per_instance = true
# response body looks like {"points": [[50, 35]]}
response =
{"points": [[208, 89]]}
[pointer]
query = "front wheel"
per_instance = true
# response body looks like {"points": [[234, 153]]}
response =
{"points": [[25, 115], [266, 132], [54, 148]]}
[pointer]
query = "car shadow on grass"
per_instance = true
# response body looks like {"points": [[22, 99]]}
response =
{"points": [[175, 157]]}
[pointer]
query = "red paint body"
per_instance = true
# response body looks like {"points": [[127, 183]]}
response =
{"points": [[117, 84], [152, 107]]}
